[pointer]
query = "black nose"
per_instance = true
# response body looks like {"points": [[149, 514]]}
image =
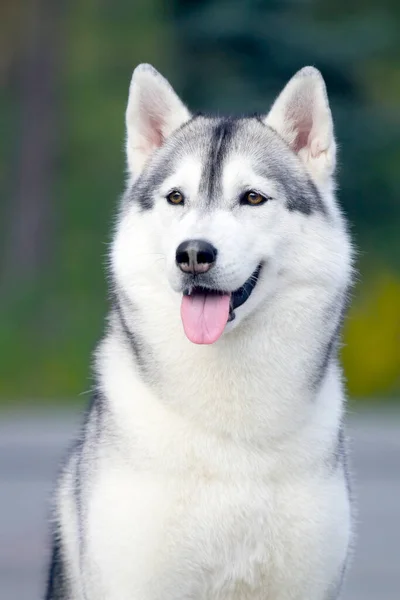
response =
{"points": [[195, 256]]}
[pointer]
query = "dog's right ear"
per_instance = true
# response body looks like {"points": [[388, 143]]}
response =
{"points": [[302, 117], [154, 111]]}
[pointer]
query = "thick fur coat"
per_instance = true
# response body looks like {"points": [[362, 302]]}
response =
{"points": [[216, 471]]}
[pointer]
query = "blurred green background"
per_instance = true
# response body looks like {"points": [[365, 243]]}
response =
{"points": [[65, 69]]}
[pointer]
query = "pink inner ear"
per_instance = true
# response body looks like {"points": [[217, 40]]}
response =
{"points": [[301, 118], [301, 140], [151, 136], [155, 136]]}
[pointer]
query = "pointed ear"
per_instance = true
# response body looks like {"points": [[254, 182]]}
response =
{"points": [[302, 117], [154, 111]]}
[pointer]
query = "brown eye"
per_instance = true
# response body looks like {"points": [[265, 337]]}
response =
{"points": [[175, 197], [253, 198]]}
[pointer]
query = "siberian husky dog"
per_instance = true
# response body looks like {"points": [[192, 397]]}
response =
{"points": [[212, 462]]}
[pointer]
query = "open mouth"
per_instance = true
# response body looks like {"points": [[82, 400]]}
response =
{"points": [[205, 312]]}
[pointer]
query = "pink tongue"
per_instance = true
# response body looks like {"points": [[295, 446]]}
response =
{"points": [[204, 316]]}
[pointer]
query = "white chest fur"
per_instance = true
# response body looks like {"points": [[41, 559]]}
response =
{"points": [[187, 512]]}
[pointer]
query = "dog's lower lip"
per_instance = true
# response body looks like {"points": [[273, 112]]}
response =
{"points": [[238, 297], [232, 316], [241, 295]]}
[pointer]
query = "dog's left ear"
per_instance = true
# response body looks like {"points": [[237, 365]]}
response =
{"points": [[154, 111], [302, 117]]}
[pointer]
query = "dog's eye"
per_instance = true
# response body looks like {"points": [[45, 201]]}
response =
{"points": [[175, 197], [253, 198]]}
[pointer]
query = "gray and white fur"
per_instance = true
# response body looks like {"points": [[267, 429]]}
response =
{"points": [[216, 470]]}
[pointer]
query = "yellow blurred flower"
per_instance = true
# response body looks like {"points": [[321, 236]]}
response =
{"points": [[371, 352]]}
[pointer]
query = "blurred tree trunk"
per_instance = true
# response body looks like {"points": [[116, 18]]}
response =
{"points": [[28, 236]]}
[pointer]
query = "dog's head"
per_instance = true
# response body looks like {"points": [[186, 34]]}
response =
{"points": [[233, 208]]}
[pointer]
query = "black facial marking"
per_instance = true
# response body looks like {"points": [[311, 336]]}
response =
{"points": [[149, 180], [301, 192], [156, 171], [131, 337], [210, 182], [305, 199], [141, 351], [141, 193], [272, 162]]}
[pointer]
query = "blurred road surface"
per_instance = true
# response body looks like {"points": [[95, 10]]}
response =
{"points": [[32, 445]]}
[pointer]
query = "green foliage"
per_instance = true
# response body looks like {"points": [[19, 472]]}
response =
{"points": [[223, 55], [236, 56], [49, 326]]}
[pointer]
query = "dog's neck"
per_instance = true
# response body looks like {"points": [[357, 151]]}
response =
{"points": [[262, 376]]}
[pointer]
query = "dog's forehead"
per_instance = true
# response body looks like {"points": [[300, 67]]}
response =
{"points": [[213, 143], [215, 139], [253, 145]]}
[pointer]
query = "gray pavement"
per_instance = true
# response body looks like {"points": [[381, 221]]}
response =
{"points": [[31, 446]]}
